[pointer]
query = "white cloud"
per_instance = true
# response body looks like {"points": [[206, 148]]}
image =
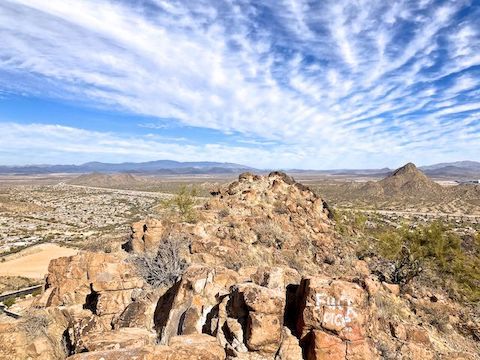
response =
{"points": [[316, 77]]}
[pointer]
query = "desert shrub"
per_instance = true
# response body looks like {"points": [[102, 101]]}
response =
{"points": [[35, 324], [341, 221], [269, 233], [280, 208], [359, 221], [96, 245], [183, 203], [165, 267], [431, 247], [223, 213], [37, 292], [390, 307], [9, 302]]}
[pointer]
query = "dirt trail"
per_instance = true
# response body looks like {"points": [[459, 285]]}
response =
{"points": [[34, 263]]}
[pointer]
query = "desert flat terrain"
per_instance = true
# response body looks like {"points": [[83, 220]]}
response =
{"points": [[33, 262]]}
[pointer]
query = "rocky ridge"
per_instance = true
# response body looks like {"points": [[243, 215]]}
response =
{"points": [[266, 278]]}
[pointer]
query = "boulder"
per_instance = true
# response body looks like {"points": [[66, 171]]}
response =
{"points": [[321, 345], [334, 305], [37, 336], [124, 338], [189, 306], [90, 279], [260, 310], [146, 236], [198, 347], [290, 348]]}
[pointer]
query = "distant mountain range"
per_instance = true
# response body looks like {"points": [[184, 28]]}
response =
{"points": [[454, 170], [151, 167], [459, 169]]}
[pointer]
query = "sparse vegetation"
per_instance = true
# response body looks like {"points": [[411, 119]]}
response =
{"points": [[269, 234], [9, 302], [166, 266], [96, 245], [35, 323], [223, 213], [433, 247], [183, 204]]}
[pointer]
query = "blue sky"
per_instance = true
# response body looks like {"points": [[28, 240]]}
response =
{"points": [[273, 84]]}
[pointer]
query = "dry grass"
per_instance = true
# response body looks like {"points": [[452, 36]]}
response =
{"points": [[270, 234]]}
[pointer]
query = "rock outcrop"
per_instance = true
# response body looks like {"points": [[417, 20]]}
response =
{"points": [[266, 279], [255, 220]]}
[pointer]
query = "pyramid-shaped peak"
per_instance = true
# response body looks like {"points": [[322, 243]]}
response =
{"points": [[409, 168]]}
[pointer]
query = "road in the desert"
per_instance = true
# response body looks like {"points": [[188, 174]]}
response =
{"points": [[121, 191]]}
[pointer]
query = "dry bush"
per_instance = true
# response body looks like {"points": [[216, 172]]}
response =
{"points": [[389, 307], [270, 234], [280, 208], [166, 266], [97, 244], [223, 213], [253, 257], [35, 324]]}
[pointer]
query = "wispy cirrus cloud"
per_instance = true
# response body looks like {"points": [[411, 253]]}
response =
{"points": [[345, 83]]}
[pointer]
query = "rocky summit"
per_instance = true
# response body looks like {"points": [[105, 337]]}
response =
{"points": [[260, 274]]}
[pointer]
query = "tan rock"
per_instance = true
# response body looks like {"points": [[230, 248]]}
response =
{"points": [[261, 299], [391, 288], [124, 338], [146, 353], [139, 313], [185, 308], [335, 305], [270, 277], [398, 330], [412, 351], [290, 348], [362, 267], [71, 279], [36, 337], [323, 346], [198, 347], [146, 236], [264, 332], [372, 285], [361, 350], [418, 335]]}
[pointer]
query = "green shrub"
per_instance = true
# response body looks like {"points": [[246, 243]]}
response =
{"points": [[9, 302], [183, 203], [435, 247]]}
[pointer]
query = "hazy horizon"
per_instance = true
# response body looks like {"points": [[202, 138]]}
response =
{"points": [[392, 167]]}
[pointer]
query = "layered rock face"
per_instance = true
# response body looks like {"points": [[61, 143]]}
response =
{"points": [[257, 286]]}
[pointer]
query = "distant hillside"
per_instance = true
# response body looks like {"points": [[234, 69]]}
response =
{"points": [[405, 182], [459, 170], [151, 167], [106, 180]]}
